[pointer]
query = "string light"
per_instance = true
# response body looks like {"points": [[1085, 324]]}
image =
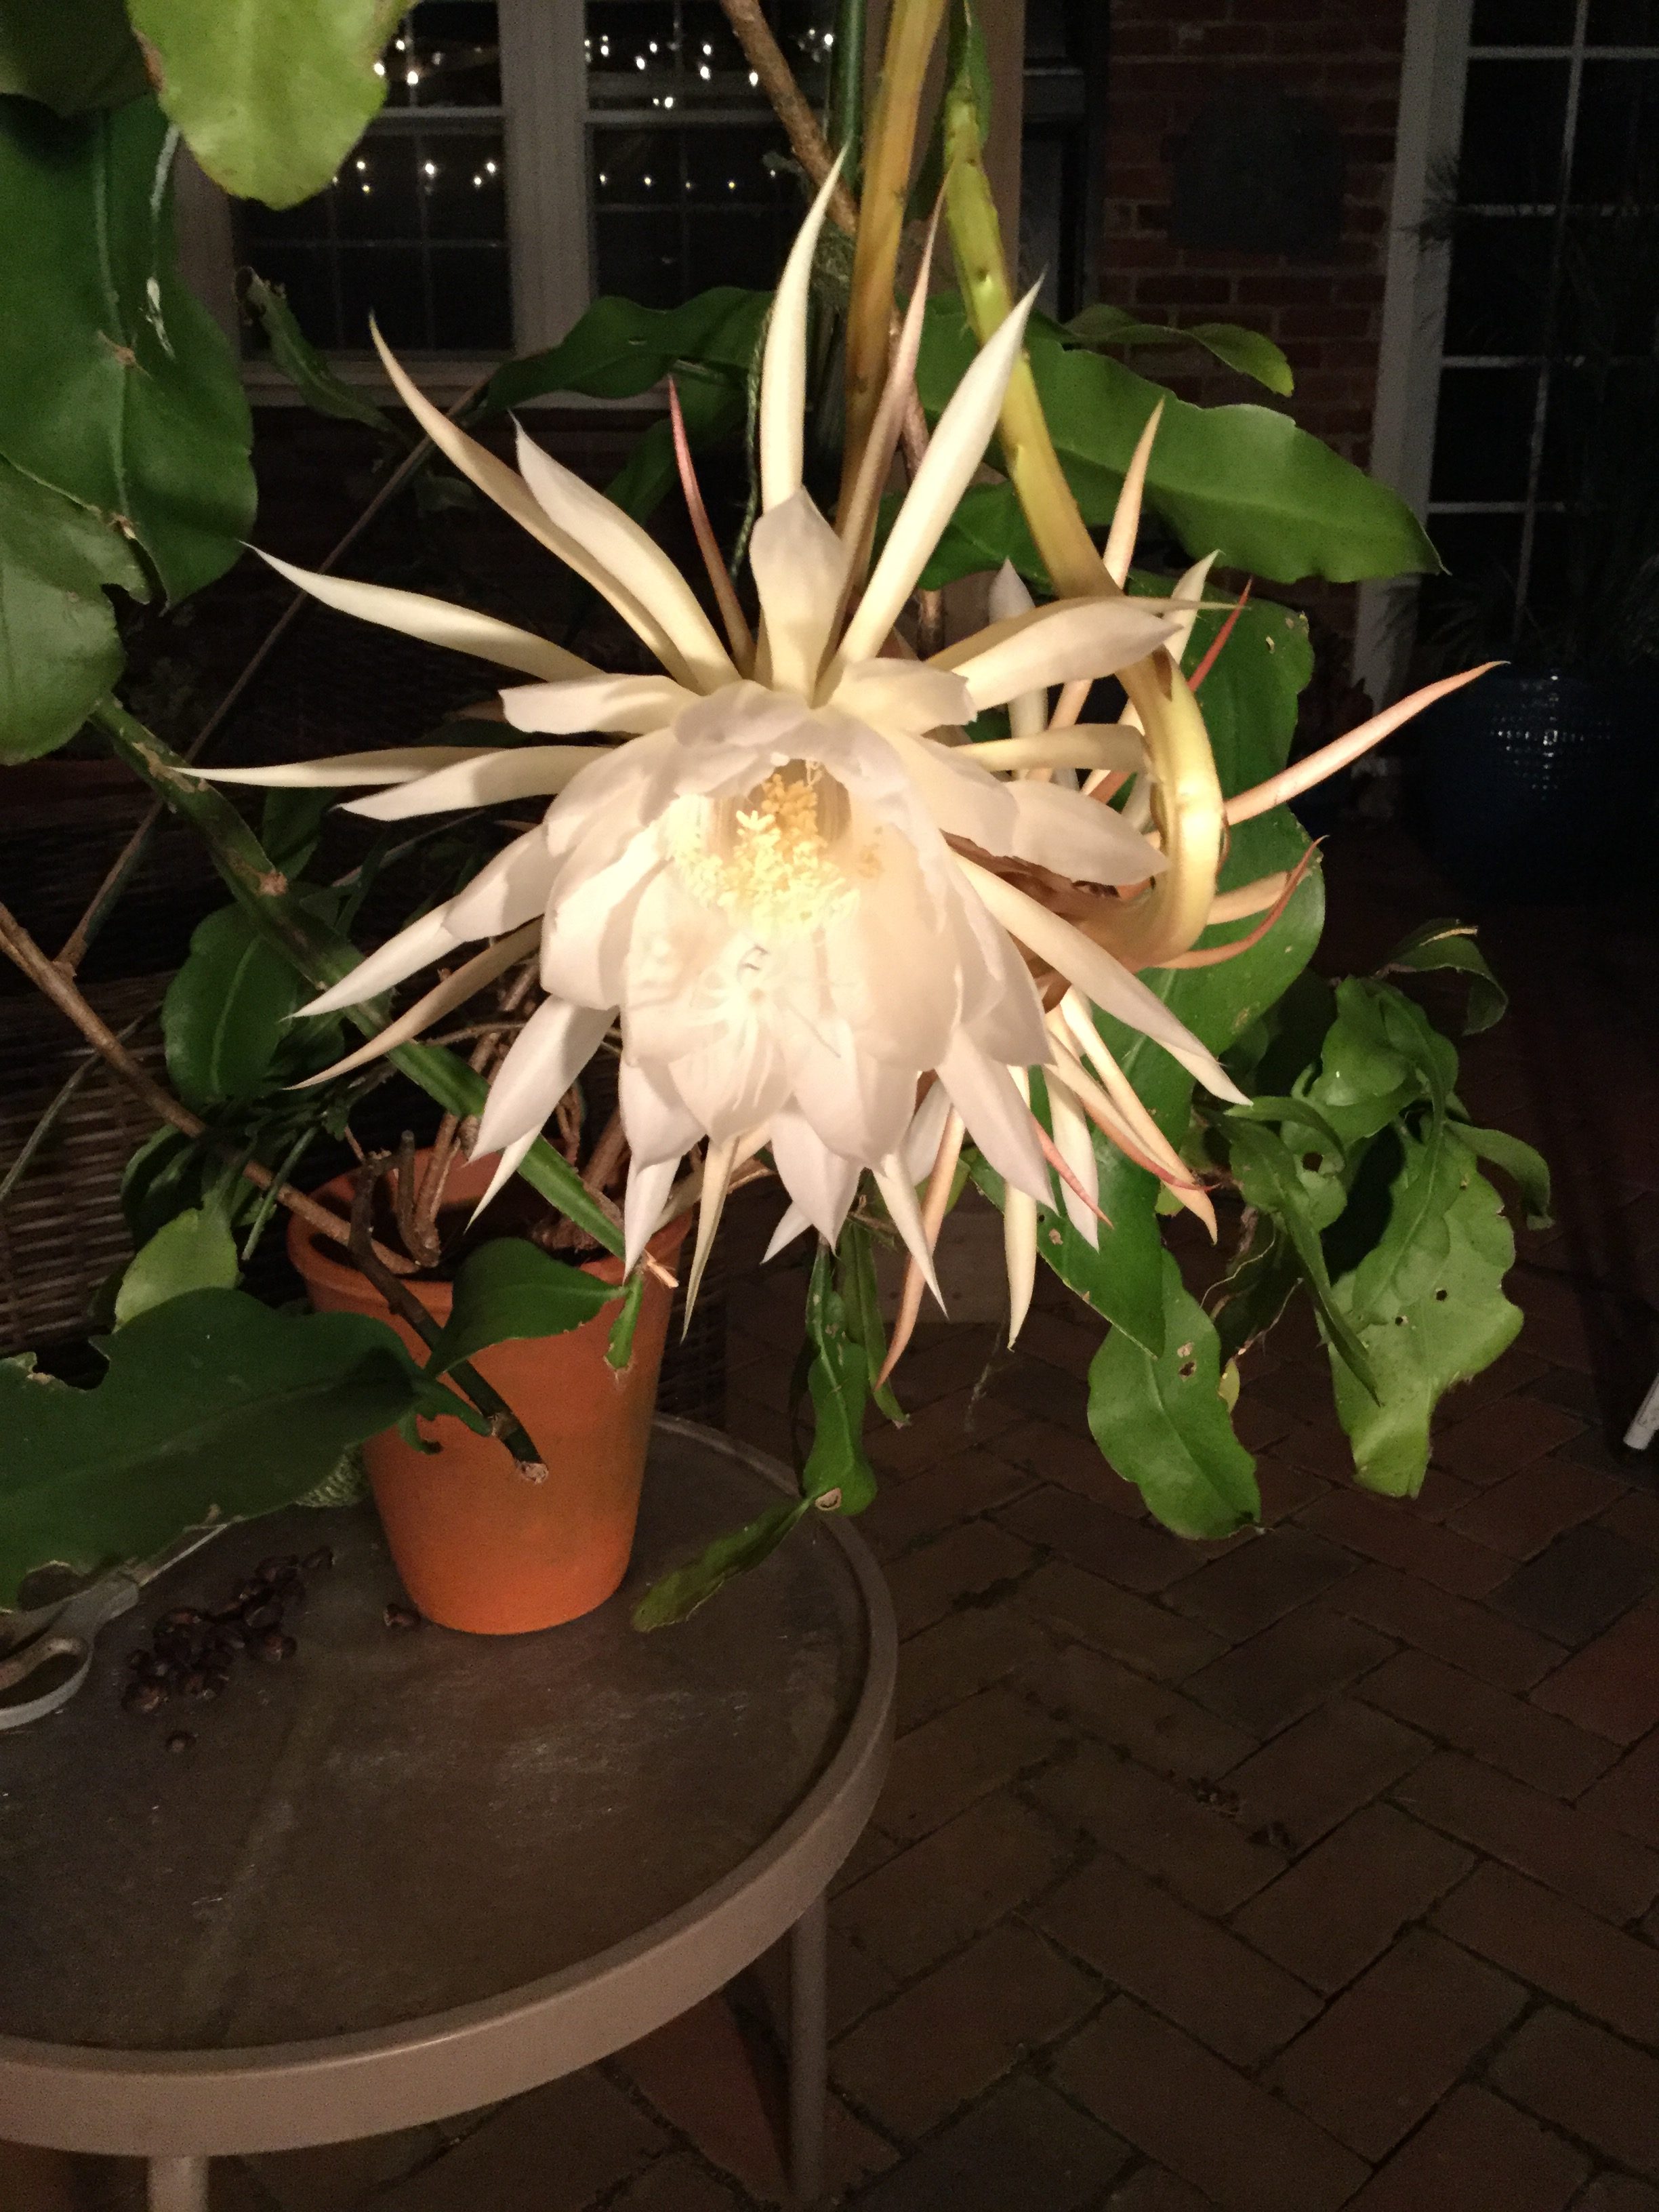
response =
{"points": [[379, 68], [431, 168], [705, 72], [668, 101], [489, 168], [412, 77], [753, 78], [362, 165]]}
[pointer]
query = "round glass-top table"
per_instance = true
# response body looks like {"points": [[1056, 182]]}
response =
{"points": [[407, 1872]]}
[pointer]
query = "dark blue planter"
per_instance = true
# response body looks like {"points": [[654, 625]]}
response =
{"points": [[1540, 786]]}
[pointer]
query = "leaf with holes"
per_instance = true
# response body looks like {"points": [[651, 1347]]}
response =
{"points": [[1162, 1424], [1440, 945], [1428, 1304]]}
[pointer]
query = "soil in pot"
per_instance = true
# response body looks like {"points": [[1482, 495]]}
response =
{"points": [[479, 1547]]}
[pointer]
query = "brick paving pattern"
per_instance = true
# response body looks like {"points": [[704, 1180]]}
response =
{"points": [[1316, 1869]]}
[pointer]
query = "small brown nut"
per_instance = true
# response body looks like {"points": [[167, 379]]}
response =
{"points": [[180, 1739], [273, 1647], [259, 1617], [401, 1616], [142, 1696]]}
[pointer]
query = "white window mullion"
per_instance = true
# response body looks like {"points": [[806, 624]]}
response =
{"points": [[545, 90]]}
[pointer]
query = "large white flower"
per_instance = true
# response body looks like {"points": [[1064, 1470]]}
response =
{"points": [[792, 883]]}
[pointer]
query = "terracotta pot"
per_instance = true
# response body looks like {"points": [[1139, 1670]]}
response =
{"points": [[479, 1547]]}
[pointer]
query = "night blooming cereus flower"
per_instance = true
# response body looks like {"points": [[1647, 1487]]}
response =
{"points": [[810, 906]]}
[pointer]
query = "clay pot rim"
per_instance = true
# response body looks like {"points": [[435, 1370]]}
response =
{"points": [[313, 1254]]}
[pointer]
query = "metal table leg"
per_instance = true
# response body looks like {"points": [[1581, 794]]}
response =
{"points": [[809, 2052], [179, 2185]]}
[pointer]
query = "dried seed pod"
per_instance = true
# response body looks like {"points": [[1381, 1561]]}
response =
{"points": [[192, 1683], [251, 1592], [401, 1616], [273, 1647], [180, 1739], [142, 1696]]}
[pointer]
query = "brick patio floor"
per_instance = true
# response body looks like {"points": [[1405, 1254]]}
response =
{"points": [[1315, 1868]]}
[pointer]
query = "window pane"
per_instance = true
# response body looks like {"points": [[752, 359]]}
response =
{"points": [[472, 299], [1497, 294], [1610, 282], [378, 196], [728, 167], [638, 169], [648, 53], [1522, 23], [446, 53], [461, 184], [1623, 23], [744, 245], [638, 256], [1616, 151], [1513, 118], [1468, 613], [1483, 435], [387, 283], [628, 39]]}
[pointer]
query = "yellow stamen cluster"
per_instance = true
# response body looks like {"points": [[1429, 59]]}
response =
{"points": [[767, 860]]}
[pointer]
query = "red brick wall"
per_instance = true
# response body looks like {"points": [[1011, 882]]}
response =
{"points": [[1164, 65]]}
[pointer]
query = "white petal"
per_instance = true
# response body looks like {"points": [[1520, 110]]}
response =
{"points": [[899, 1196], [507, 1167], [998, 1120], [963, 799], [632, 703], [1126, 516], [955, 451], [548, 1054], [437, 621], [510, 492], [589, 928], [1076, 1148], [716, 1174], [1019, 1253], [1068, 640], [1084, 745], [891, 970], [782, 412], [402, 955], [453, 991], [792, 1223], [1001, 1011], [393, 764], [1028, 711], [650, 1182], [860, 1107], [506, 890], [656, 1122], [519, 772], [733, 1084], [907, 696], [920, 1145], [799, 565], [628, 553], [821, 1183], [1188, 592], [1099, 977], [1078, 837]]}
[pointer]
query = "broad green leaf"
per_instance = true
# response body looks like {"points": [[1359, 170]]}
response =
{"points": [[1162, 1424], [59, 652], [163, 1176], [1248, 351], [308, 370], [619, 349], [195, 1251], [226, 1011], [511, 1288], [1429, 1306], [290, 824], [271, 94], [677, 1596], [1526, 1167], [1270, 1180], [213, 1408], [72, 54], [117, 387], [1452, 944], [1242, 481], [839, 1381]]}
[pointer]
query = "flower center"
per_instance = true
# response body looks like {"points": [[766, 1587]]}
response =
{"points": [[777, 859]]}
